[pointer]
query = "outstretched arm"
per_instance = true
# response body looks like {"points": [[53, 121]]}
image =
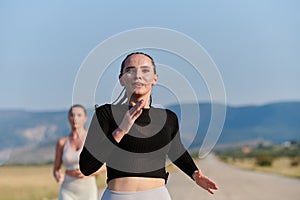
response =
{"points": [[182, 159], [204, 181], [57, 173]]}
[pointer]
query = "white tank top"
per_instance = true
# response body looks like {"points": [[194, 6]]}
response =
{"points": [[70, 157]]}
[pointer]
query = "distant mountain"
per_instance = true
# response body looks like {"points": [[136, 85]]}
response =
{"points": [[21, 128], [275, 122], [29, 137]]}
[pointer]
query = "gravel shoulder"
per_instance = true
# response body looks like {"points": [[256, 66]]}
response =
{"points": [[234, 184]]}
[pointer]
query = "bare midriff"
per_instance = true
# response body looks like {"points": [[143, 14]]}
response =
{"points": [[75, 173], [134, 184]]}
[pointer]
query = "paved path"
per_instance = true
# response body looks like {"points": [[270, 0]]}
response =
{"points": [[234, 184]]}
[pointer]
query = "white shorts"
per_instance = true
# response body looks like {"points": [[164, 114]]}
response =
{"points": [[78, 189]]}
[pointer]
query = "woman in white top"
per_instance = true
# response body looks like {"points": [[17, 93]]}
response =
{"points": [[74, 185]]}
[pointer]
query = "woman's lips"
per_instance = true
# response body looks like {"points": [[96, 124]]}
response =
{"points": [[138, 84]]}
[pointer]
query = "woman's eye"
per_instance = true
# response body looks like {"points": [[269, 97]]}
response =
{"points": [[146, 70], [130, 71]]}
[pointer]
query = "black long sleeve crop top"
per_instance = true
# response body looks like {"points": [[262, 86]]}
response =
{"points": [[142, 152]]}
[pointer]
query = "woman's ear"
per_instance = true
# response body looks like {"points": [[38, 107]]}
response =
{"points": [[155, 79], [121, 80]]}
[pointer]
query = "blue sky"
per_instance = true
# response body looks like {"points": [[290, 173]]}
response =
{"points": [[255, 45]]}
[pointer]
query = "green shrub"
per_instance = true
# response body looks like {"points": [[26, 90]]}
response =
{"points": [[294, 162], [264, 160]]}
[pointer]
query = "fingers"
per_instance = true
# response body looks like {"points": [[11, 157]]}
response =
{"points": [[137, 108], [60, 179], [131, 115], [212, 187], [58, 176], [210, 191], [211, 184], [204, 182], [137, 114]]}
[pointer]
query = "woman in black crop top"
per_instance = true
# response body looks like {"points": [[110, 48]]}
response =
{"points": [[134, 139]]}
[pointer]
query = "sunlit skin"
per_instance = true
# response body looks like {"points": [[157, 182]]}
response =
{"points": [[138, 77]]}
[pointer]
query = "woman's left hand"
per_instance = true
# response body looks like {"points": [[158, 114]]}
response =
{"points": [[204, 181], [59, 176]]}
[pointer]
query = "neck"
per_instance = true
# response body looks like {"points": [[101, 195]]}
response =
{"points": [[133, 100], [76, 132]]}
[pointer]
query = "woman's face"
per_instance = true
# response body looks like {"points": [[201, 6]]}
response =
{"points": [[77, 118], [138, 75]]}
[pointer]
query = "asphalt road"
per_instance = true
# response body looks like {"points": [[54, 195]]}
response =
{"points": [[234, 184]]}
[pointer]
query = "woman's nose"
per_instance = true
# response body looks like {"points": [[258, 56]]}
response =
{"points": [[75, 119], [138, 74]]}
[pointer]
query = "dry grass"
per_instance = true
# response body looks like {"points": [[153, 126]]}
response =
{"points": [[31, 183], [36, 182], [280, 166], [27, 182]]}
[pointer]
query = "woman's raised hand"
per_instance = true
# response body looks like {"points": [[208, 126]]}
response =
{"points": [[130, 116]]}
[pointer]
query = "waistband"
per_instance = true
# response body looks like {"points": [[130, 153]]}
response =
{"points": [[161, 193]]}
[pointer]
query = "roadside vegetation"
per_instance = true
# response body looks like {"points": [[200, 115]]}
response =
{"points": [[32, 182], [35, 182], [282, 159]]}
